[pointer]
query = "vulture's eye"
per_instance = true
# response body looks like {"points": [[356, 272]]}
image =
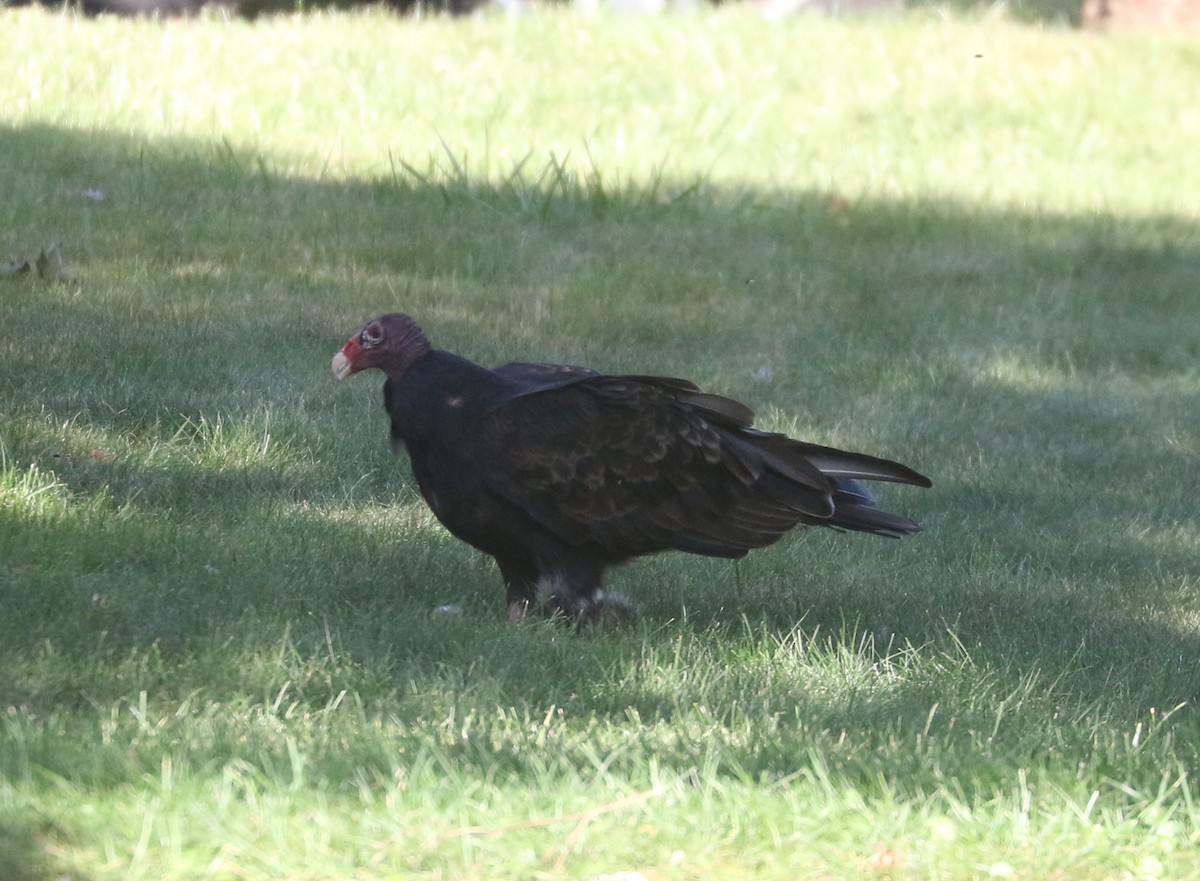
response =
{"points": [[372, 335]]}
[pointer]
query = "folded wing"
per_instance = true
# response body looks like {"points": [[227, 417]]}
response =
{"points": [[637, 464]]}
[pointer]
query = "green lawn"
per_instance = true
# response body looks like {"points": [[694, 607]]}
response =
{"points": [[955, 240]]}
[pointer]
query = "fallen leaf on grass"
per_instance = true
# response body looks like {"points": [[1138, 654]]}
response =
{"points": [[840, 208], [886, 859]]}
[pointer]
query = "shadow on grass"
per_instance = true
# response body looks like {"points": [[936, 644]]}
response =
{"points": [[22, 856], [1039, 367], [1059, 12]]}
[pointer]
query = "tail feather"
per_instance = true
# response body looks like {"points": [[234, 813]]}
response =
{"points": [[837, 499], [864, 518]]}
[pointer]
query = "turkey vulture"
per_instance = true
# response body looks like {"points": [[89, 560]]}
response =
{"points": [[560, 472]]}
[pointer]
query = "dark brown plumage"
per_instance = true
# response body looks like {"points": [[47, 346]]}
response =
{"points": [[560, 472]]}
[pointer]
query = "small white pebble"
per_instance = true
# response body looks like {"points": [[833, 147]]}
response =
{"points": [[943, 829], [1150, 867]]}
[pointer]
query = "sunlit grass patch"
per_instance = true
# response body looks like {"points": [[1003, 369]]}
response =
{"points": [[30, 492]]}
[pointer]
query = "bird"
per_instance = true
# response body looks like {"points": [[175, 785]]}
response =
{"points": [[561, 472]]}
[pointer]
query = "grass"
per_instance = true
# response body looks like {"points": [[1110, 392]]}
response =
{"points": [[952, 239]]}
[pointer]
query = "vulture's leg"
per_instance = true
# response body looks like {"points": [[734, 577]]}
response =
{"points": [[576, 593], [520, 585]]}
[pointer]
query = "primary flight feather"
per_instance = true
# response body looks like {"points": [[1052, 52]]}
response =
{"points": [[560, 472]]}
